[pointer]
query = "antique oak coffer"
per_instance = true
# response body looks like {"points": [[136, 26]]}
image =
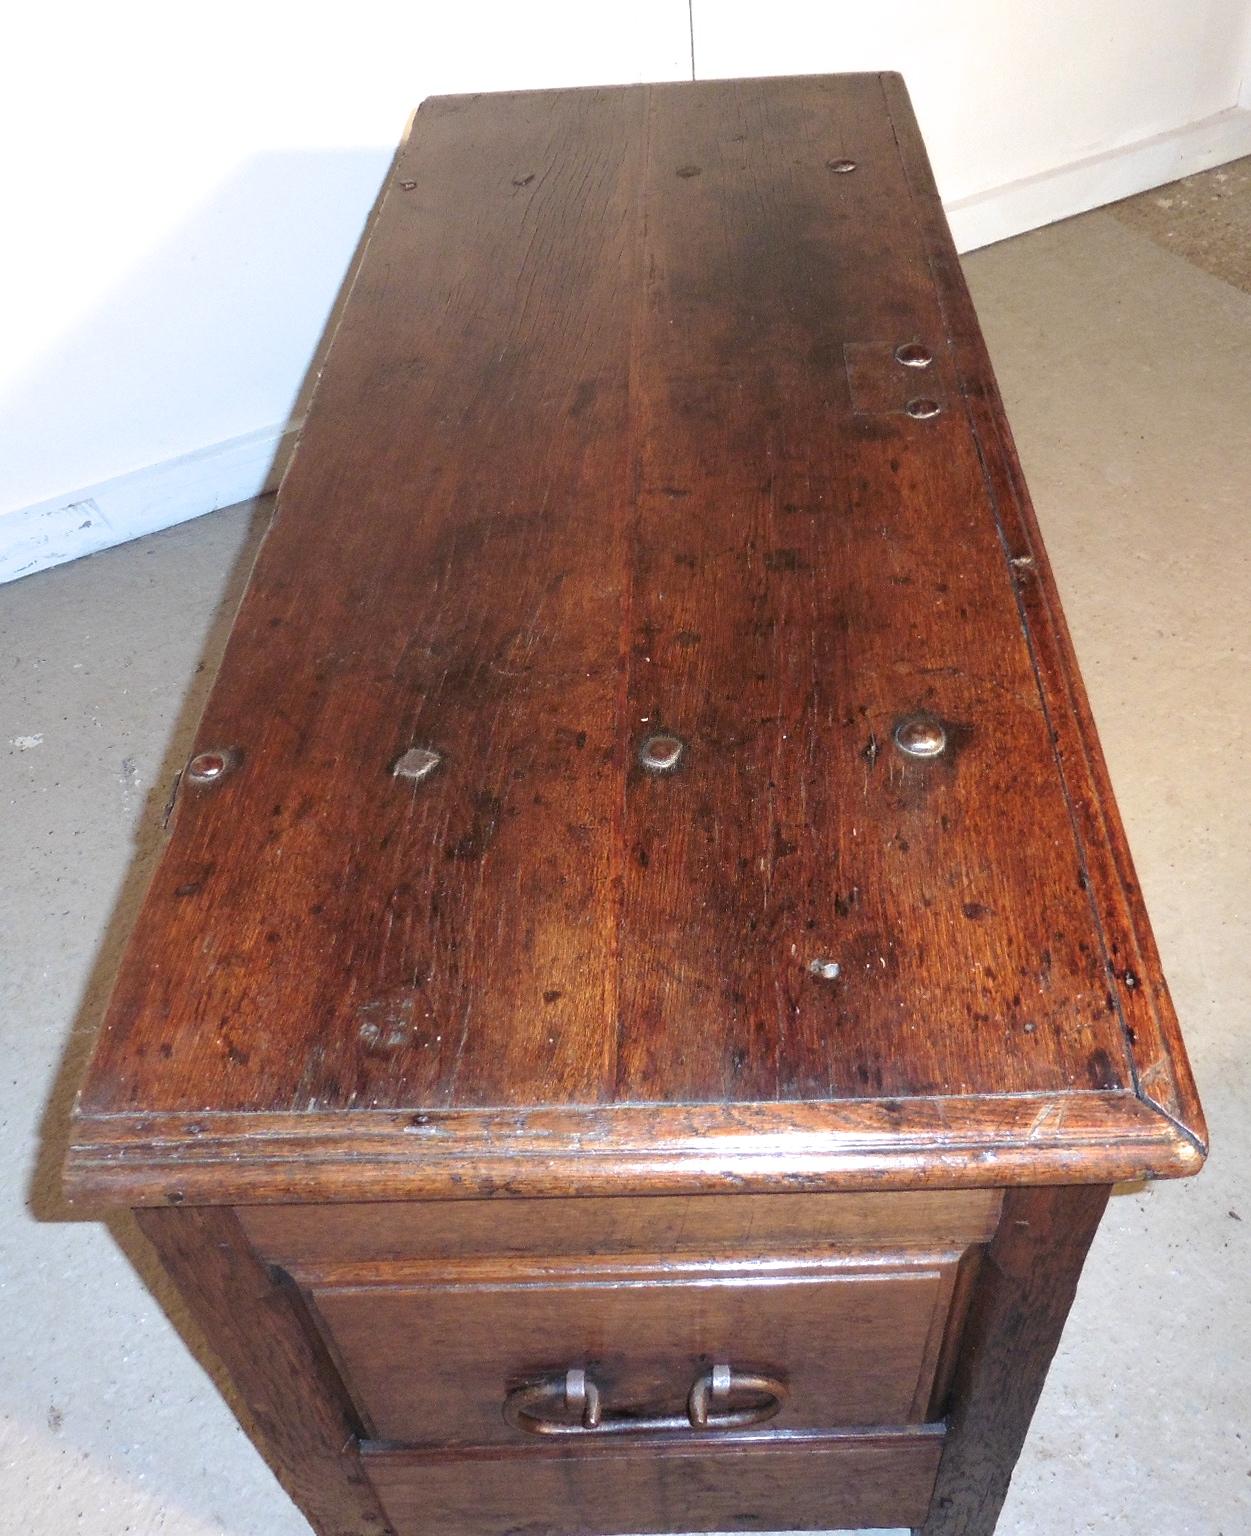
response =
{"points": [[646, 994]]}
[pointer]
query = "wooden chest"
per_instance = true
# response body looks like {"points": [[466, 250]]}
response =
{"points": [[646, 994]]}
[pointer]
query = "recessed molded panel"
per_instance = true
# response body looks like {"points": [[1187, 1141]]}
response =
{"points": [[431, 1358]]}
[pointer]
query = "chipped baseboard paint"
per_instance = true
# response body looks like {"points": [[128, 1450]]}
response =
{"points": [[1080, 185], [95, 517]]}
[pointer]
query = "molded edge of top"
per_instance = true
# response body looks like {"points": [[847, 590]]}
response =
{"points": [[958, 1142]]}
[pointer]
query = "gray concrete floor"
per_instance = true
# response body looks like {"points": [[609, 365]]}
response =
{"points": [[1125, 366]]}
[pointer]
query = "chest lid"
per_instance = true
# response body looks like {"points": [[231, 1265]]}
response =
{"points": [[649, 752]]}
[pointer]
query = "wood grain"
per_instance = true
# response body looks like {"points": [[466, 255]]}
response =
{"points": [[800, 1482], [612, 441], [299, 1415], [1161, 1069], [431, 1353], [893, 1144], [1022, 1296], [300, 1237]]}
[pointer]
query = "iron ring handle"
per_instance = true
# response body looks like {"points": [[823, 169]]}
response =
{"points": [[523, 1408], [531, 1408], [720, 1383]]}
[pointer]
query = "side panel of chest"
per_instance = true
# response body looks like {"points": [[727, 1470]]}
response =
{"points": [[441, 1317], [944, 1477]]}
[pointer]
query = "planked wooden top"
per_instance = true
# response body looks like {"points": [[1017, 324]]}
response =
{"points": [[612, 442]]}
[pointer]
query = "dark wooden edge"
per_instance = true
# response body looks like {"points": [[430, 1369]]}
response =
{"points": [[1136, 984], [297, 1410], [1077, 1138], [932, 1266], [969, 1264], [1023, 1292], [657, 1446]]}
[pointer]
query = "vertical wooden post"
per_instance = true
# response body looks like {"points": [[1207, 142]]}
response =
{"points": [[1023, 1296], [301, 1418]]}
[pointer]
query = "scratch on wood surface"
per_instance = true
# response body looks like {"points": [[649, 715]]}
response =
{"points": [[1047, 1119]]}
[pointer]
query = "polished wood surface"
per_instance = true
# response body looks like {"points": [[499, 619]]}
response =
{"points": [[819, 1481], [613, 441]]}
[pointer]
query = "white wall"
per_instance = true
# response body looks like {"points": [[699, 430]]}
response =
{"points": [[1031, 109], [189, 184]]}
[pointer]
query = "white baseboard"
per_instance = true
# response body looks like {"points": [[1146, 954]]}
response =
{"points": [[95, 517], [1104, 178]]}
